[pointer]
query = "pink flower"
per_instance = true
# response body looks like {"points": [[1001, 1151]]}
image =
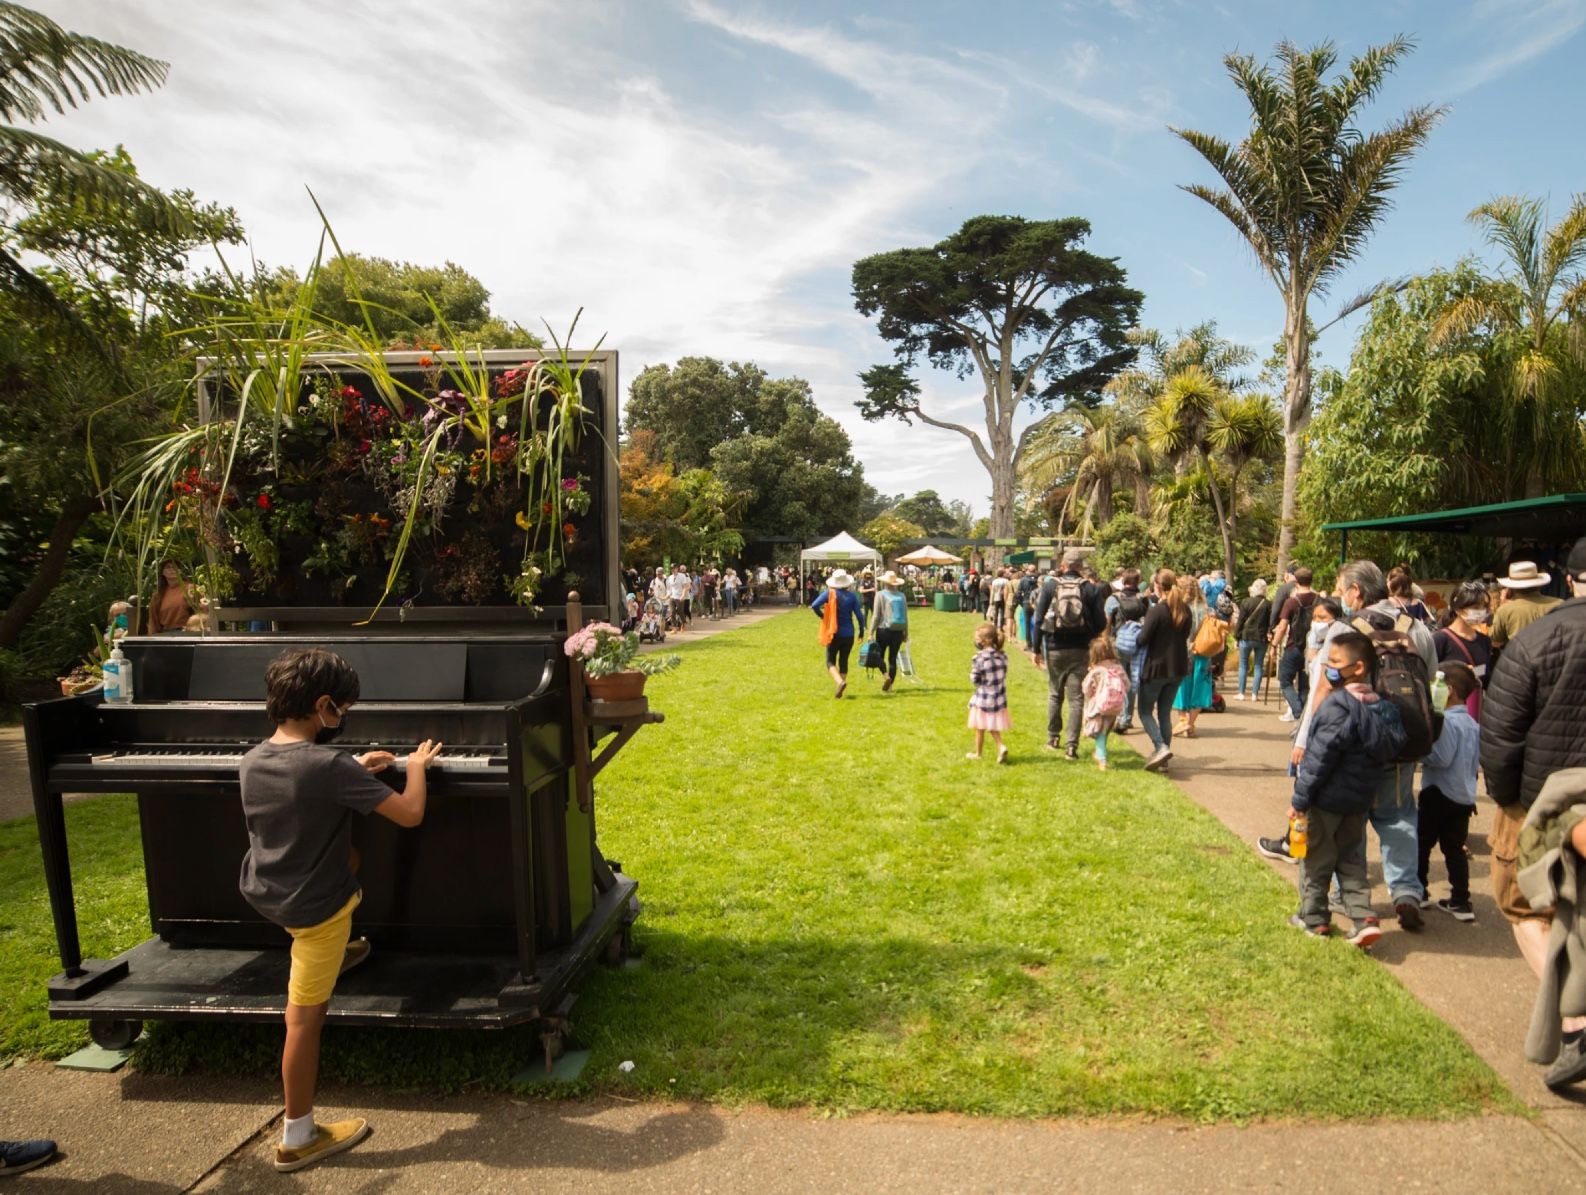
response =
{"points": [[569, 483]]}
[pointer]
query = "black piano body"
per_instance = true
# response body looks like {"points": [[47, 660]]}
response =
{"points": [[486, 914]]}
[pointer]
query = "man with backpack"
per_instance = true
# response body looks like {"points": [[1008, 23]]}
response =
{"points": [[1069, 614], [1126, 611], [1406, 663], [1029, 585], [1294, 623]]}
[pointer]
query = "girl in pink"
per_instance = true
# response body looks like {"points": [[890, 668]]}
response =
{"points": [[988, 708], [1105, 686]]}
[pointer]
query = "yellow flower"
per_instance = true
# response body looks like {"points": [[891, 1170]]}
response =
{"points": [[523, 521]]}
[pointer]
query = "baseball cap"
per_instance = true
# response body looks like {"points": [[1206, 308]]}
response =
{"points": [[1575, 565]]}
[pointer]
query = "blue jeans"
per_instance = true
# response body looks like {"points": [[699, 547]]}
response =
{"points": [[1132, 662], [1256, 651], [1396, 821], [1291, 671], [1156, 709]]}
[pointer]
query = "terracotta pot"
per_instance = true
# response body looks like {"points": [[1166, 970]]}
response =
{"points": [[619, 686]]}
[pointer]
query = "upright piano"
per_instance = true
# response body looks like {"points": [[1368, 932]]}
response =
{"points": [[486, 914]]}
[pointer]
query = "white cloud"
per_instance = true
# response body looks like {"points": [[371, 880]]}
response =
{"points": [[1514, 32]]}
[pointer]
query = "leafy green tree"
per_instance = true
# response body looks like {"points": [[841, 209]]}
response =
{"points": [[795, 463], [1413, 423], [764, 437], [927, 511], [1304, 189], [1124, 542], [887, 533], [44, 69], [71, 416], [406, 304], [1536, 309], [1017, 303]]}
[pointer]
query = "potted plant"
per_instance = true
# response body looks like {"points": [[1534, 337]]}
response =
{"points": [[613, 668]]}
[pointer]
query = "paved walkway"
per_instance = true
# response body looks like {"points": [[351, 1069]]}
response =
{"points": [[143, 1134]]}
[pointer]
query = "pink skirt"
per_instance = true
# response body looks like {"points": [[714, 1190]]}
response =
{"points": [[986, 720]]}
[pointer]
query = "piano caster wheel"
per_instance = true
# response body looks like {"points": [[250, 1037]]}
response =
{"points": [[615, 949], [114, 1035]]}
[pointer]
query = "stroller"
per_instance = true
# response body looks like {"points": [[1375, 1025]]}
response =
{"points": [[652, 624]]}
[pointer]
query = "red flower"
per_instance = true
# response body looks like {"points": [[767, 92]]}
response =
{"points": [[350, 392], [363, 447], [545, 508], [264, 501], [426, 362]]}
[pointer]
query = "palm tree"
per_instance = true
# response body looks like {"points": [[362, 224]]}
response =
{"points": [[1539, 305], [1101, 450], [45, 68], [1241, 429], [1304, 189]]}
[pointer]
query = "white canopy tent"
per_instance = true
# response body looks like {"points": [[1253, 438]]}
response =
{"points": [[839, 549]]}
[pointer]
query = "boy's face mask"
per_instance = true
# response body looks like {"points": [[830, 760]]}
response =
{"points": [[329, 734]]}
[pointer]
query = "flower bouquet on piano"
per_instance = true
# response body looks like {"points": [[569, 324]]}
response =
{"points": [[613, 668]]}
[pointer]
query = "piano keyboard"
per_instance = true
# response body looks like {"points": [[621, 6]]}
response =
{"points": [[219, 759]]}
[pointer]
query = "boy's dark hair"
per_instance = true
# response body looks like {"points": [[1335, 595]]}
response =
{"points": [[295, 680], [1461, 680], [1131, 578], [1334, 608], [1302, 576], [1358, 648]]}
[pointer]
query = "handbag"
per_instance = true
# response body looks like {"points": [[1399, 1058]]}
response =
{"points": [[1212, 639]]}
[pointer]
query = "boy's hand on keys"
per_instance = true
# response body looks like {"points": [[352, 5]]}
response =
{"points": [[376, 761], [424, 754]]}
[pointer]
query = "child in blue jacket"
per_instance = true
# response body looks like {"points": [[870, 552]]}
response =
{"points": [[1448, 792], [1354, 736]]}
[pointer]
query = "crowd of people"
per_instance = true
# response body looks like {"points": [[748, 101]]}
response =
{"points": [[1382, 682]]}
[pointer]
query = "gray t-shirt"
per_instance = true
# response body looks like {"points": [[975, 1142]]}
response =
{"points": [[298, 800]]}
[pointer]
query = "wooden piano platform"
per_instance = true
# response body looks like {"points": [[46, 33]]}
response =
{"points": [[395, 988]]}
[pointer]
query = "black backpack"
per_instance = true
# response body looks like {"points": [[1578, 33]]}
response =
{"points": [[1301, 626], [1402, 681], [1131, 607]]}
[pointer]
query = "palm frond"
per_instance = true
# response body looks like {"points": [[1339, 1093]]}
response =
{"points": [[44, 67]]}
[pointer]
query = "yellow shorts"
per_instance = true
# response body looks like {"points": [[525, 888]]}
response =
{"points": [[317, 954]]}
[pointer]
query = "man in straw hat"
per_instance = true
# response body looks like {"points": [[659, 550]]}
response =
{"points": [[1524, 604], [842, 621]]}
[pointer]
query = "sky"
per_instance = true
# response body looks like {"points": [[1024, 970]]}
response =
{"points": [[699, 176]]}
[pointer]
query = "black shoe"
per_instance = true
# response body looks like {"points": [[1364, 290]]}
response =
{"points": [[1051, 745], [1409, 914], [1570, 1066], [1459, 910], [1276, 848], [1071, 753]]}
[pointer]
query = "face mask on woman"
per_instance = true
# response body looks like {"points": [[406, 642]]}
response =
{"points": [[1480, 616], [1317, 634]]}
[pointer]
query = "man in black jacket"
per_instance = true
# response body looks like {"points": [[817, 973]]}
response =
{"points": [[1533, 723], [1066, 632]]}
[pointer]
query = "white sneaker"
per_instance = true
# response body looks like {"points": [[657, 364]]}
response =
{"points": [[1286, 716], [1239, 696]]}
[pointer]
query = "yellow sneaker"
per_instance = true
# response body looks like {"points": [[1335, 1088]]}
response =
{"points": [[328, 1139]]}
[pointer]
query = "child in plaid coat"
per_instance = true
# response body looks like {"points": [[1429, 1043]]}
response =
{"points": [[988, 708]]}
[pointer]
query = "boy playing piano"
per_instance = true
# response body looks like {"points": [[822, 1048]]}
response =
{"points": [[298, 797]]}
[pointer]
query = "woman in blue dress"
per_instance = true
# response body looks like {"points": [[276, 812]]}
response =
{"points": [[1195, 693]]}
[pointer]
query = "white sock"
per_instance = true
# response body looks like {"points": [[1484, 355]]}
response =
{"points": [[298, 1131]]}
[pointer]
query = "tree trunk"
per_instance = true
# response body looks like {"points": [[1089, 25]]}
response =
{"points": [[1296, 417], [73, 515], [1002, 492], [1222, 519]]}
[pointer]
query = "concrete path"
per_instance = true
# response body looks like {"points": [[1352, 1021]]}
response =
{"points": [[140, 1135], [1471, 975], [144, 1134]]}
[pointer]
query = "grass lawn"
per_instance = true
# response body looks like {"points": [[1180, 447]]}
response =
{"points": [[840, 910]]}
